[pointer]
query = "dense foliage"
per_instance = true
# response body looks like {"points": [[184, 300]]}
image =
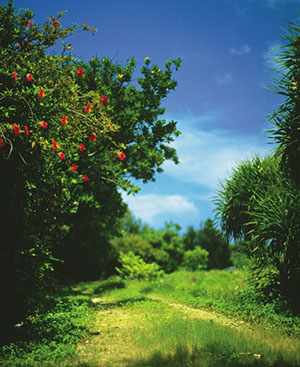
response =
{"points": [[286, 120], [136, 125], [210, 239], [205, 248], [259, 203], [64, 154]]}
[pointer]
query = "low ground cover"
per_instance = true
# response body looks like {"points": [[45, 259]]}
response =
{"points": [[51, 335], [186, 319], [144, 330], [227, 292]]}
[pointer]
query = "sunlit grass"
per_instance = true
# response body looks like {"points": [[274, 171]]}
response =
{"points": [[225, 292], [175, 339], [175, 321], [150, 333]]}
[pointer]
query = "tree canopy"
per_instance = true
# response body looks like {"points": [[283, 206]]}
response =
{"points": [[71, 136]]}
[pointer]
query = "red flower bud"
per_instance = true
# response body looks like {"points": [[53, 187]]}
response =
{"points": [[122, 156], [93, 137], [26, 130], [61, 156], [74, 167], [104, 100], [29, 77], [56, 24], [88, 108], [81, 147], [79, 73], [55, 145], [42, 93], [16, 130], [44, 124], [85, 178], [15, 76], [64, 120]]}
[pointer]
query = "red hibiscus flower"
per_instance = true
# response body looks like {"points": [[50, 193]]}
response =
{"points": [[85, 178], [81, 147], [56, 24], [16, 130], [54, 145], [30, 24], [61, 156], [104, 100], [79, 73], [2, 143], [17, 45], [26, 130], [44, 124], [42, 93], [88, 108], [64, 120], [29, 77], [93, 137], [122, 156], [74, 167]]}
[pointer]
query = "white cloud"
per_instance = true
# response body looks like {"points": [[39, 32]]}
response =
{"points": [[224, 79], [206, 157], [243, 50], [148, 206]]}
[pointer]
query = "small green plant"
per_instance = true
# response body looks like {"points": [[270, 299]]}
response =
{"points": [[134, 267], [51, 335], [196, 259]]}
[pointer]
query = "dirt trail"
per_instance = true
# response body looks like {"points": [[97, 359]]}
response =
{"points": [[202, 314], [111, 344]]}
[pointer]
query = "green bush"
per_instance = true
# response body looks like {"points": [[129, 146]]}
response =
{"points": [[134, 267], [196, 259], [52, 334]]}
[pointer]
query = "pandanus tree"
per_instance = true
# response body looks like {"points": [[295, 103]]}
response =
{"points": [[259, 203]]}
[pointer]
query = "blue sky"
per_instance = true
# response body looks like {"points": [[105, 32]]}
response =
{"points": [[221, 102]]}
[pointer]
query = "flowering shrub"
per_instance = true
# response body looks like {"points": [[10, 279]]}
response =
{"points": [[50, 134], [70, 136]]}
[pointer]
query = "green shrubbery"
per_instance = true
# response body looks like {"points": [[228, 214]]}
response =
{"points": [[134, 267], [196, 259], [205, 248], [51, 334]]}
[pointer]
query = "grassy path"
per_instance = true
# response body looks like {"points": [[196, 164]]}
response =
{"points": [[112, 342], [153, 332]]}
